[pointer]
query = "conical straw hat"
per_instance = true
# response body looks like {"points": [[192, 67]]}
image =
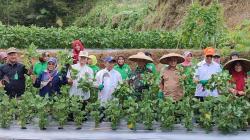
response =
{"points": [[166, 58], [140, 56], [244, 62]]}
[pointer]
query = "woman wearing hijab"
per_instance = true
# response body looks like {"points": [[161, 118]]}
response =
{"points": [[3, 58], [238, 69], [92, 61], [49, 81], [77, 46]]}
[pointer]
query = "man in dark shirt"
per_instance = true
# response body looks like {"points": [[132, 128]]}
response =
{"points": [[12, 74]]}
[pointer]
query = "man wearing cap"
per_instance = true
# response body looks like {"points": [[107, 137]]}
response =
{"points": [[83, 71], [107, 80], [203, 73], [12, 74], [216, 58]]}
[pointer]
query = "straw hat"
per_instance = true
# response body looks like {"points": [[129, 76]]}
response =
{"points": [[12, 50], [84, 54], [166, 58], [140, 56], [244, 62]]}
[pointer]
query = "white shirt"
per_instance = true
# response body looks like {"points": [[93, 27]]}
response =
{"points": [[110, 80], [204, 72], [82, 71]]}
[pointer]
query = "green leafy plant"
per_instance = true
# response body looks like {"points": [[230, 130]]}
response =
{"points": [[123, 91], [219, 81], [131, 109], [94, 109], [76, 110], [43, 107], [231, 113], [206, 117], [60, 109], [7, 111], [114, 112], [186, 108], [26, 108], [30, 53], [167, 113], [86, 83], [148, 114]]}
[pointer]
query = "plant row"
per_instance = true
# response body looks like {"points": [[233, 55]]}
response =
{"points": [[57, 38]]}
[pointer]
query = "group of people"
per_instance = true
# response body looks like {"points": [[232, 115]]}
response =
{"points": [[48, 79]]}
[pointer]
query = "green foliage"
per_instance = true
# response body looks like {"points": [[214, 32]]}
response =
{"points": [[7, 111], [26, 108], [203, 26], [76, 108], [21, 37], [131, 109], [60, 109], [116, 14], [219, 81], [114, 112], [147, 113], [231, 113], [206, 109], [43, 107], [167, 113], [186, 109], [94, 110], [44, 13], [123, 92]]}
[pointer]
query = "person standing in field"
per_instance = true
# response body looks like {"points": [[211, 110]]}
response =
{"points": [[83, 71], [151, 66], [3, 58], [203, 73], [170, 80], [41, 66], [107, 80], [123, 68], [92, 63], [238, 68], [136, 77], [50, 81], [77, 47], [12, 74]]}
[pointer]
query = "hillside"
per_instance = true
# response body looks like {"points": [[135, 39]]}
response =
{"points": [[155, 14]]}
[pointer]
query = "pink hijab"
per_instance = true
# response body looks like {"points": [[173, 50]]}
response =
{"points": [[186, 63]]}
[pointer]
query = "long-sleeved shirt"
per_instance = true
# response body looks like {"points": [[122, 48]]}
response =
{"points": [[204, 72], [51, 87], [124, 70], [14, 74], [110, 80], [82, 71]]}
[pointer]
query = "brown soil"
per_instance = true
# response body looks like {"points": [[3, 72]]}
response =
{"points": [[168, 14], [156, 54]]}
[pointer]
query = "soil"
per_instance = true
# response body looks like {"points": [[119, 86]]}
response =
{"points": [[156, 54], [168, 14]]}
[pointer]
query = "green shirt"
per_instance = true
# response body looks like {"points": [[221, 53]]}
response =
{"points": [[39, 68], [151, 66], [124, 70], [248, 73], [94, 68]]}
